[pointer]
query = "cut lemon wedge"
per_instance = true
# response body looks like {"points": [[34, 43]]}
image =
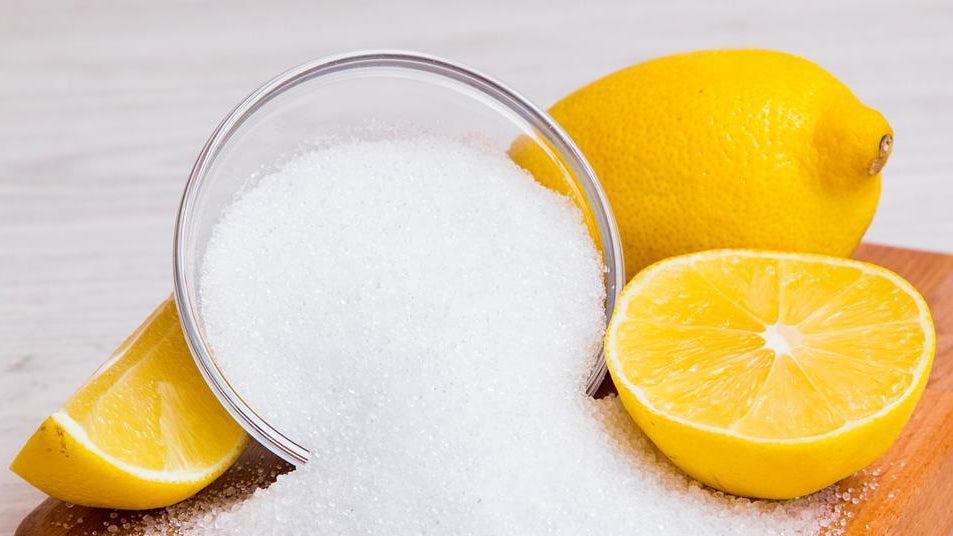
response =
{"points": [[144, 432], [769, 375]]}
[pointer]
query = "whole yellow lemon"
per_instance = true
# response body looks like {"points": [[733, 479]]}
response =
{"points": [[730, 148]]}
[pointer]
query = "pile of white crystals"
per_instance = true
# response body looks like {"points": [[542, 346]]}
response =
{"points": [[421, 314]]}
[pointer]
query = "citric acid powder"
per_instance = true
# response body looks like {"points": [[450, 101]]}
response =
{"points": [[421, 314]]}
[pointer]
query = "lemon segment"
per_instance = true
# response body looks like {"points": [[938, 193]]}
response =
{"points": [[144, 432], [770, 374]]}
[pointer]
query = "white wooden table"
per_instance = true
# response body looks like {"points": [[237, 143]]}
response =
{"points": [[104, 105]]}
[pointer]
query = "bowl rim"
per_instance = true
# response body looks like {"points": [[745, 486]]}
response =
{"points": [[187, 304]]}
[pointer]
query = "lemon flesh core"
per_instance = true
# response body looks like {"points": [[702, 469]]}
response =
{"points": [[768, 374], [144, 432]]}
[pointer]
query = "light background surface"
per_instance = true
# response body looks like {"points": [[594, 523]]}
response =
{"points": [[104, 106]]}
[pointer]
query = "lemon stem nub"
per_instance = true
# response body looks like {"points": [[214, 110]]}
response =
{"points": [[886, 147]]}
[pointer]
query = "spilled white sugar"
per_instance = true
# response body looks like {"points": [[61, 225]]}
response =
{"points": [[420, 313]]}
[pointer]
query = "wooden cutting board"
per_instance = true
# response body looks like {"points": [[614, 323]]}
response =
{"points": [[913, 482]]}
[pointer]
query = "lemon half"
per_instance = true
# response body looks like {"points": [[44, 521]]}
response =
{"points": [[770, 375]]}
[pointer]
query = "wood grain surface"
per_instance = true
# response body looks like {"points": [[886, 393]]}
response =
{"points": [[104, 106], [914, 494], [908, 492]]}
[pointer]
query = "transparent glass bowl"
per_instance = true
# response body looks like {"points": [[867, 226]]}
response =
{"points": [[347, 92]]}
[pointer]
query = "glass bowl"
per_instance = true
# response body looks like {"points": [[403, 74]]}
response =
{"points": [[342, 93]]}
